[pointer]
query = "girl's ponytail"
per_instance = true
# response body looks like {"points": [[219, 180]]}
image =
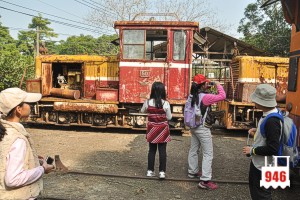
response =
{"points": [[194, 91]]}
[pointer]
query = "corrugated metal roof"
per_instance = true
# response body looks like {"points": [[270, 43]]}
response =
{"points": [[220, 43]]}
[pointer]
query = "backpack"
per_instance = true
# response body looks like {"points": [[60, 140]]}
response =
{"points": [[288, 138], [192, 118]]}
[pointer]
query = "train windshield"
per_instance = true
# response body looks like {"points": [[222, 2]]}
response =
{"points": [[145, 44]]}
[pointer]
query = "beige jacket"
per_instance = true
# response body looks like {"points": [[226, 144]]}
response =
{"points": [[14, 131]]}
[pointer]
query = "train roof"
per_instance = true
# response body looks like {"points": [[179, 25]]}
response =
{"points": [[75, 58], [161, 24], [264, 60]]}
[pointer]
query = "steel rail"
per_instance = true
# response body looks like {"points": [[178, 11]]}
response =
{"points": [[150, 178]]}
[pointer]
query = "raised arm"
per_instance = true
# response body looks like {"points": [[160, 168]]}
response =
{"points": [[209, 99]]}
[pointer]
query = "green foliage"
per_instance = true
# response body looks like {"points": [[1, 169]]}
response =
{"points": [[86, 44], [27, 39], [12, 63], [12, 69], [266, 29], [7, 43]]}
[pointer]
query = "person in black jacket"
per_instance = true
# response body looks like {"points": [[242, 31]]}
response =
{"points": [[264, 98]]}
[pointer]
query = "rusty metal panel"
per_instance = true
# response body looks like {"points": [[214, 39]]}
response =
{"points": [[85, 107], [99, 74], [107, 74], [89, 80], [46, 78], [178, 82], [70, 59], [33, 85], [107, 94], [244, 90], [89, 89], [262, 69], [136, 79], [249, 71]]}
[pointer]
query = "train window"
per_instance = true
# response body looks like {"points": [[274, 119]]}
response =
{"points": [[179, 45], [156, 44], [133, 44], [293, 74]]}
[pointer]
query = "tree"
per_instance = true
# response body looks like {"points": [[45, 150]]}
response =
{"points": [[27, 39], [12, 63], [7, 43], [105, 13], [266, 29]]}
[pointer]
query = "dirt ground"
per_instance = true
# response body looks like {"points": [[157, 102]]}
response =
{"points": [[123, 152]]}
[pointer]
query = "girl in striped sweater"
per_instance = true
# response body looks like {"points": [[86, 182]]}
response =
{"points": [[158, 133]]}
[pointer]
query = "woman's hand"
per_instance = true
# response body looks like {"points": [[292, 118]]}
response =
{"points": [[47, 168], [252, 131], [246, 150]]}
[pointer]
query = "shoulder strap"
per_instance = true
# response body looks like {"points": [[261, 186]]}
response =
{"points": [[201, 95], [263, 124]]}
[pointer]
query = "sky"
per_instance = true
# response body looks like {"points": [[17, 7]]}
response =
{"points": [[228, 11]]}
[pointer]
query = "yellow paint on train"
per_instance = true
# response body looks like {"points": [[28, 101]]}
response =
{"points": [[254, 69], [94, 66]]}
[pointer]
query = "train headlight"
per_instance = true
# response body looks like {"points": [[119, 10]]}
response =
{"points": [[177, 109]]}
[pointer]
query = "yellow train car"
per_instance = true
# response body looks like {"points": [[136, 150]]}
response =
{"points": [[76, 89], [246, 73], [83, 72]]}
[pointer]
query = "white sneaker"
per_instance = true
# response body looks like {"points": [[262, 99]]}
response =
{"points": [[162, 175], [150, 173]]}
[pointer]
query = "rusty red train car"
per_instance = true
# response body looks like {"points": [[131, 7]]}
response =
{"points": [[108, 91]]}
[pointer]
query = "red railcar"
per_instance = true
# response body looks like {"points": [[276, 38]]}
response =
{"points": [[155, 51]]}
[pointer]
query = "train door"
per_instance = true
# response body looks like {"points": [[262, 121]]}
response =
{"points": [[46, 78], [89, 80], [144, 60], [179, 66]]}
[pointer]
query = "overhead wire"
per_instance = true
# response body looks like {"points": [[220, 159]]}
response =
{"points": [[51, 15], [56, 21], [28, 29], [60, 9], [101, 7], [87, 5]]}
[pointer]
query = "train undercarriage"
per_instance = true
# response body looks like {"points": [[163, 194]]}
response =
{"points": [[103, 115]]}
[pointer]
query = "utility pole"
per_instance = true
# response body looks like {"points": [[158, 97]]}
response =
{"points": [[37, 41]]}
